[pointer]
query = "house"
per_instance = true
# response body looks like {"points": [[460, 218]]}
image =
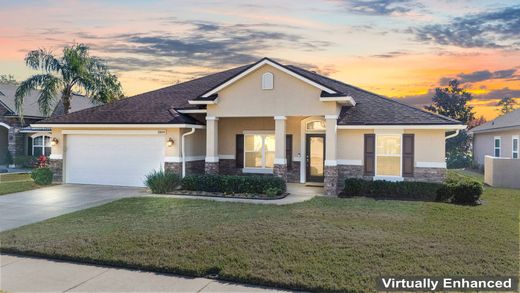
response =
{"points": [[498, 138], [19, 139], [261, 118]]}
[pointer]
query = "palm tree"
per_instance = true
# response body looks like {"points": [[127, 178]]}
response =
{"points": [[75, 71]]}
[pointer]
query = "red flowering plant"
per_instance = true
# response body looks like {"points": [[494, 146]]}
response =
{"points": [[42, 161]]}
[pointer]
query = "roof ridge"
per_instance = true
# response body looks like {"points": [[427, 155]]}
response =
{"points": [[380, 96]]}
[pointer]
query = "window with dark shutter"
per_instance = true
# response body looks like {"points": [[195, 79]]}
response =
{"points": [[288, 151], [408, 155], [370, 151], [239, 147]]}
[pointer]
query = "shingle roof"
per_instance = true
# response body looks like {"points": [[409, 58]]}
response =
{"points": [[505, 121], [159, 106], [30, 105]]}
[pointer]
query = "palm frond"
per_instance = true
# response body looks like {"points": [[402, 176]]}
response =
{"points": [[42, 60], [48, 85]]}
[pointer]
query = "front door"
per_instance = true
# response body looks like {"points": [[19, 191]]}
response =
{"points": [[315, 157]]}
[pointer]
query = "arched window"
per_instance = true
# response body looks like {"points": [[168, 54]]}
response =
{"points": [[41, 145], [267, 81]]}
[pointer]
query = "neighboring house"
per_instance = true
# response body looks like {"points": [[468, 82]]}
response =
{"points": [[498, 138], [262, 118], [20, 139]]}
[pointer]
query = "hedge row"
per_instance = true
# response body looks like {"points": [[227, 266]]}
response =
{"points": [[230, 184], [459, 189]]}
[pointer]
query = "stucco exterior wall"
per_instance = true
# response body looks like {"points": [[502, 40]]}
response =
{"points": [[195, 144], [483, 144], [289, 97], [501, 172], [429, 146]]}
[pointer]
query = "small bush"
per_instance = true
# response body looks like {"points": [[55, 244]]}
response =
{"points": [[272, 191], [161, 182], [388, 189], [460, 189], [230, 184], [42, 176]]}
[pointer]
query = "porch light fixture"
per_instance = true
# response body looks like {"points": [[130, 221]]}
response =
{"points": [[54, 141], [170, 142]]}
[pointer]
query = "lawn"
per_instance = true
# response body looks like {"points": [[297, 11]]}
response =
{"points": [[326, 244], [14, 182]]}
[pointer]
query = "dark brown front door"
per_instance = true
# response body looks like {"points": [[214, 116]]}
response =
{"points": [[315, 157]]}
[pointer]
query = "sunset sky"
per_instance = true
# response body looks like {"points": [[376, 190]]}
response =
{"points": [[398, 48]]}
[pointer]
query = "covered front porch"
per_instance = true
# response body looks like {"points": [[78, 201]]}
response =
{"points": [[299, 149]]}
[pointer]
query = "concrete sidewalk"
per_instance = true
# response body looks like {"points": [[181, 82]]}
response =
{"points": [[25, 274]]}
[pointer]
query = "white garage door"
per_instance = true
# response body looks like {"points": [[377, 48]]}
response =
{"points": [[112, 159]]}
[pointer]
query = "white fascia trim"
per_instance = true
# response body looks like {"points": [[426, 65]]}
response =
{"points": [[350, 162], [192, 111], [226, 157], [441, 165], [440, 126], [119, 126], [179, 159], [258, 170], [280, 118], [114, 132], [280, 161], [56, 157], [192, 102], [211, 159], [331, 116], [260, 64], [331, 163], [211, 118], [347, 100]]}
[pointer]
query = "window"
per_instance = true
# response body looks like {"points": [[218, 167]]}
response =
{"points": [[498, 143], [515, 147], [267, 81], [41, 146], [259, 151], [316, 125], [388, 155]]}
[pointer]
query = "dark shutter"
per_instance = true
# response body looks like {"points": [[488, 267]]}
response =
{"points": [[239, 147], [288, 150], [29, 146], [370, 152], [408, 155]]}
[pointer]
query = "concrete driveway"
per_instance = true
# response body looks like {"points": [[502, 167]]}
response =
{"points": [[32, 206]]}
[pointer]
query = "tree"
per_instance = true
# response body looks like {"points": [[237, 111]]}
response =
{"points": [[7, 79], [476, 122], [452, 101], [507, 105], [74, 71]]}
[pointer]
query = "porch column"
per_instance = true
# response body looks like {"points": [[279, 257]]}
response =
{"points": [[280, 162], [331, 164], [211, 164]]}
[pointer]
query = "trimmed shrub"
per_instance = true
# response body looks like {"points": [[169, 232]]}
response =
{"points": [[42, 176], [161, 182], [230, 184], [460, 189], [388, 189]]}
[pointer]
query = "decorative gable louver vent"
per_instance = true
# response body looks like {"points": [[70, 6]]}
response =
{"points": [[267, 81]]}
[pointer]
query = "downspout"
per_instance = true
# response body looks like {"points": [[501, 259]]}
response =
{"points": [[452, 135], [183, 151]]}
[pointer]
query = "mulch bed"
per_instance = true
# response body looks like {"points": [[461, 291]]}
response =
{"points": [[224, 195]]}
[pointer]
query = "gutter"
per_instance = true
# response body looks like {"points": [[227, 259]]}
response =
{"points": [[183, 150], [452, 135]]}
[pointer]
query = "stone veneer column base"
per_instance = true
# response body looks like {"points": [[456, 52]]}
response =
{"points": [[211, 168], [174, 167], [280, 170], [56, 166], [331, 180], [428, 175]]}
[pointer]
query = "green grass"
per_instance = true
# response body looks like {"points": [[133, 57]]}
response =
{"points": [[14, 182], [326, 244]]}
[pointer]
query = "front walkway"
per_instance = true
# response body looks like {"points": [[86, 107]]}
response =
{"points": [[24, 274], [297, 193]]}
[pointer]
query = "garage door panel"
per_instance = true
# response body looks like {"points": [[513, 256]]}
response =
{"points": [[112, 159]]}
